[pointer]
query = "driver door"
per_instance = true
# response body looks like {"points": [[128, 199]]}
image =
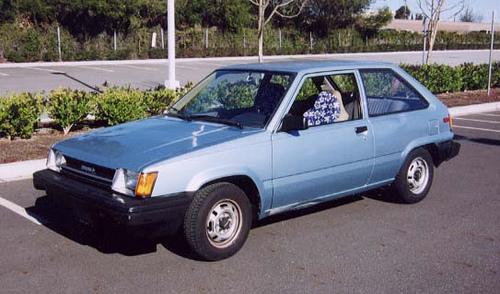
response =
{"points": [[324, 160]]}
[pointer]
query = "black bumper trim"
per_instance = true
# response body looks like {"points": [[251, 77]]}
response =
{"points": [[89, 203], [447, 150]]}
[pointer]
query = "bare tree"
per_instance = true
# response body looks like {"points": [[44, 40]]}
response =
{"points": [[470, 16], [268, 9], [432, 10]]}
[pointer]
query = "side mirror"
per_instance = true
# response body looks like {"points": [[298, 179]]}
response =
{"points": [[293, 123]]}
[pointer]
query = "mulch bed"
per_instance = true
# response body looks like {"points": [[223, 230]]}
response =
{"points": [[469, 97], [35, 148], [38, 146]]}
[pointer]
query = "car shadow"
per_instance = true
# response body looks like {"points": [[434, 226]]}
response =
{"points": [[384, 195], [486, 141], [305, 211], [381, 194], [110, 240], [105, 239]]}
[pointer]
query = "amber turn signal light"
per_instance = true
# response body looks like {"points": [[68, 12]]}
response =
{"points": [[145, 185], [448, 120]]}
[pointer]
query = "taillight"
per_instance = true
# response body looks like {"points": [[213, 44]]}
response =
{"points": [[448, 120]]}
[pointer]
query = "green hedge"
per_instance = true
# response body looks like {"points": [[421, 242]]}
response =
{"points": [[19, 113], [444, 78], [36, 43], [68, 107]]}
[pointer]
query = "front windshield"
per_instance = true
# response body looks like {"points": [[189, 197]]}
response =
{"points": [[241, 98]]}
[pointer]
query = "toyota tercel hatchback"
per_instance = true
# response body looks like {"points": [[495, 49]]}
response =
{"points": [[254, 140]]}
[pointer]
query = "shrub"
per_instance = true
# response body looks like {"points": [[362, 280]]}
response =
{"points": [[119, 105], [157, 100], [19, 114], [474, 77], [443, 78], [495, 74], [436, 77], [68, 107]]}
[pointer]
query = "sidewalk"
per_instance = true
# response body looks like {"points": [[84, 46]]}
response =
{"points": [[24, 169]]}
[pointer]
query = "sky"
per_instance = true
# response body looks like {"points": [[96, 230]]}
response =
{"points": [[482, 7]]}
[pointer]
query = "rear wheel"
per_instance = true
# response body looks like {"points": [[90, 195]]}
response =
{"points": [[415, 177], [218, 220]]}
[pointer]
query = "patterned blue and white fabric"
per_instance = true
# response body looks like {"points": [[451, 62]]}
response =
{"points": [[326, 110]]}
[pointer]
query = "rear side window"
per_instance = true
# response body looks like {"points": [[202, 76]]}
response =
{"points": [[386, 93]]}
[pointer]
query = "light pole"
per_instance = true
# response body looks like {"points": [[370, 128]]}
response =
{"points": [[491, 49], [171, 83]]}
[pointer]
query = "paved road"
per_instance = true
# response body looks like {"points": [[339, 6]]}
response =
{"points": [[449, 243], [148, 74]]}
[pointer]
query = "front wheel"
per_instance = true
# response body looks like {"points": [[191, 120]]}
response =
{"points": [[218, 220], [415, 177]]}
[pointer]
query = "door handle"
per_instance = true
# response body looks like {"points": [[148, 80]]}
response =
{"points": [[361, 129]]}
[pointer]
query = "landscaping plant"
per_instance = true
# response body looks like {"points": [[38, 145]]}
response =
{"points": [[19, 114], [118, 105], [157, 100], [68, 107]]}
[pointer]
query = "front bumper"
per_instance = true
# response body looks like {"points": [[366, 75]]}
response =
{"points": [[94, 205], [447, 150]]}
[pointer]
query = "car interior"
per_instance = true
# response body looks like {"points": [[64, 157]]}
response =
{"points": [[350, 108]]}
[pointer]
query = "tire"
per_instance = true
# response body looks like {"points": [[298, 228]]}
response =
{"points": [[415, 177], [218, 221]]}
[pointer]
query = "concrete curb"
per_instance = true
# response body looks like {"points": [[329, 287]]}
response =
{"points": [[215, 59], [475, 108], [22, 170]]}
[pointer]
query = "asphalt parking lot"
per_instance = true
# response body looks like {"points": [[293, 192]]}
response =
{"points": [[147, 74], [449, 243]]}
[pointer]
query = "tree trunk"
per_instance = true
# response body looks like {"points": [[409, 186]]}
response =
{"points": [[433, 28], [66, 129]]}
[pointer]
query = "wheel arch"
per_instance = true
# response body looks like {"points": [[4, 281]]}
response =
{"points": [[248, 186], [433, 150], [427, 143]]}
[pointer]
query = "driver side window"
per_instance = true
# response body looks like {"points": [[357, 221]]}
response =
{"points": [[328, 99]]}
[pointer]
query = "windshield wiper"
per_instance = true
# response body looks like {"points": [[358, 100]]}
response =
{"points": [[215, 119]]}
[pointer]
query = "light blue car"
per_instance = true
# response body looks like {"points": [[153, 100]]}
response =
{"points": [[254, 140]]}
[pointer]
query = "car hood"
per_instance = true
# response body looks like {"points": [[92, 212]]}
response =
{"points": [[137, 144]]}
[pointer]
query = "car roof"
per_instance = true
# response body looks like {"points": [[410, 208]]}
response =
{"points": [[308, 66]]}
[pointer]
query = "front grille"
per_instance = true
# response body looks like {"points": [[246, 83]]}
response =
{"points": [[88, 172]]}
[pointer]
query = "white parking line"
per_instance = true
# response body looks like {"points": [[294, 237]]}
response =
{"points": [[98, 68], [18, 210], [479, 129], [139, 67], [4, 74], [478, 120], [46, 69], [215, 63], [184, 65], [489, 114]]}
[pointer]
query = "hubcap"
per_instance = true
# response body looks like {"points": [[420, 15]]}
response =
{"points": [[418, 175], [223, 223]]}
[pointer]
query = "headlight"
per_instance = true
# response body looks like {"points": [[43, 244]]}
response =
{"points": [[135, 184], [55, 160]]}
